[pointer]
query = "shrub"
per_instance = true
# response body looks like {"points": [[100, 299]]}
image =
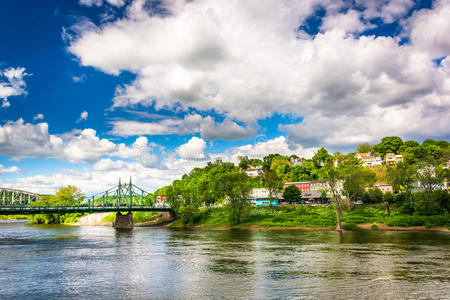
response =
{"points": [[374, 226], [349, 226]]}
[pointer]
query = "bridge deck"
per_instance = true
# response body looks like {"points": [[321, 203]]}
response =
{"points": [[30, 210]]}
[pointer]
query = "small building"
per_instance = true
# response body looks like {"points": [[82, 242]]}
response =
{"points": [[392, 159], [369, 160], [384, 187], [302, 186], [266, 202], [260, 193], [254, 171], [318, 185], [314, 197], [297, 161]]}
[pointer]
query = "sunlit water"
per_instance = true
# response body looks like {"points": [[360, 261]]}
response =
{"points": [[60, 262]]}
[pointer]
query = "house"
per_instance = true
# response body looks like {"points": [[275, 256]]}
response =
{"points": [[297, 161], [318, 185], [393, 159], [369, 160], [384, 187], [266, 202], [161, 201], [313, 197], [254, 171], [260, 193], [302, 186]]}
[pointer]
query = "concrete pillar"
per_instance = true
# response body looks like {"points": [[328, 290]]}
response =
{"points": [[124, 221], [170, 216]]}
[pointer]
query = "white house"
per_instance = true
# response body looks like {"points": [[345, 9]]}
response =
{"points": [[254, 171]]}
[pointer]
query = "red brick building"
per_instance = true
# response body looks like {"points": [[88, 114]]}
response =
{"points": [[302, 186]]}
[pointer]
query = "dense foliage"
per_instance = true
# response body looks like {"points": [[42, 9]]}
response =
{"points": [[64, 196]]}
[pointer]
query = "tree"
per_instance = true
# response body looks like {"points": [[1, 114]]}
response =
{"points": [[244, 162], [334, 178], [267, 161], [389, 144], [321, 157], [388, 198], [68, 196], [354, 183], [235, 186], [292, 194], [401, 176], [272, 182], [364, 148]]}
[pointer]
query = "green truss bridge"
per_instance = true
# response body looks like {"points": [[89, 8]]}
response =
{"points": [[123, 198]]}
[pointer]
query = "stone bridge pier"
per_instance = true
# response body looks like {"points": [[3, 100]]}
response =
{"points": [[124, 221]]}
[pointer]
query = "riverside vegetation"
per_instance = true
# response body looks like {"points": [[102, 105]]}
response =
{"points": [[416, 202]]}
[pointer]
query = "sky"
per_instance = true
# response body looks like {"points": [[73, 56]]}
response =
{"points": [[96, 90]]}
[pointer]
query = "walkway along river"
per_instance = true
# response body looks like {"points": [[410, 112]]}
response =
{"points": [[42, 261]]}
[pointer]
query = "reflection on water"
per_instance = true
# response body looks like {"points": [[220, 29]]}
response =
{"points": [[158, 263]]}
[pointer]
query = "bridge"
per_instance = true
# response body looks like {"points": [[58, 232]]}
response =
{"points": [[125, 197]]}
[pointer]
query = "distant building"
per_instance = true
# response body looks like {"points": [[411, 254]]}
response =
{"points": [[260, 193], [297, 161], [161, 200], [369, 160], [254, 171], [384, 187], [265, 202], [302, 186], [392, 159], [314, 197]]}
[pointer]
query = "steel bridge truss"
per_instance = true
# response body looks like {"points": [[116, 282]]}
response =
{"points": [[122, 195], [12, 197]]}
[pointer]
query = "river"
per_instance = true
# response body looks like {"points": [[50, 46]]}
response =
{"points": [[63, 262]]}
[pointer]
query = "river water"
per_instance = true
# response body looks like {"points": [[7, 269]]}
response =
{"points": [[60, 262]]}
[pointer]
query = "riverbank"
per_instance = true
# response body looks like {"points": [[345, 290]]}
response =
{"points": [[320, 218]]}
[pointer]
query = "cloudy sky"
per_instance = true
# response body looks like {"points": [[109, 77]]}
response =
{"points": [[94, 90]]}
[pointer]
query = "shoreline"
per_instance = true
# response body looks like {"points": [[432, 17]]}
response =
{"points": [[382, 227]]}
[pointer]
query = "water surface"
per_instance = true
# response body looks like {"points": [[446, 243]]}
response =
{"points": [[45, 262]]}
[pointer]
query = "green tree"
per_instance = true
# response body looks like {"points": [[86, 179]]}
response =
{"points": [[364, 148], [321, 157], [235, 186], [292, 194], [389, 144], [355, 180], [272, 182], [334, 177]]}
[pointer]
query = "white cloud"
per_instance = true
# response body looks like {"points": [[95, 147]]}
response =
{"points": [[190, 124], [12, 169], [193, 149], [83, 116], [246, 62], [263, 147], [14, 85], [429, 29], [117, 3], [348, 22], [19, 140], [38, 117], [82, 78]]}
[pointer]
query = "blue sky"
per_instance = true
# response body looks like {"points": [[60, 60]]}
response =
{"points": [[94, 90]]}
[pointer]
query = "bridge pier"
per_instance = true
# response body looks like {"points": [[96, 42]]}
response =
{"points": [[124, 221]]}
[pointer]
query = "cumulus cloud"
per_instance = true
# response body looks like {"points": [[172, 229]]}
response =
{"points": [[190, 124], [12, 169], [19, 140], [83, 116], [429, 28], [12, 83], [246, 61], [38, 117], [194, 148]]}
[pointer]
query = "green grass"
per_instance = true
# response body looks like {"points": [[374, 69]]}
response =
{"points": [[138, 217], [316, 216]]}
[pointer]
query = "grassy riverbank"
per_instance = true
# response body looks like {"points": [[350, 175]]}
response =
{"points": [[138, 217], [317, 217]]}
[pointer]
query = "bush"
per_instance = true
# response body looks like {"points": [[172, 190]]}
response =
{"points": [[349, 226], [405, 221], [374, 226]]}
